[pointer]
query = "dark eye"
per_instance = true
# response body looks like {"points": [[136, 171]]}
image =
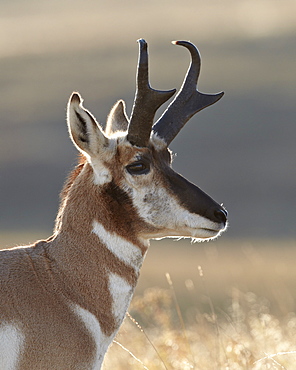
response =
{"points": [[138, 168]]}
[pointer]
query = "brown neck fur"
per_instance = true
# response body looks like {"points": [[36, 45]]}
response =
{"points": [[81, 260]]}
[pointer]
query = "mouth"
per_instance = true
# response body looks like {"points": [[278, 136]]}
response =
{"points": [[214, 231], [195, 233], [209, 233]]}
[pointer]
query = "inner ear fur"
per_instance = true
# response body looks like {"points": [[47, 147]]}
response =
{"points": [[84, 130], [117, 119]]}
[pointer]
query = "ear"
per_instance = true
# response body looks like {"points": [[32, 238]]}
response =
{"points": [[117, 119], [84, 131]]}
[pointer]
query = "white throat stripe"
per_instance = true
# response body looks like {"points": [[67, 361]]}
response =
{"points": [[102, 342], [121, 293], [11, 344], [125, 251]]}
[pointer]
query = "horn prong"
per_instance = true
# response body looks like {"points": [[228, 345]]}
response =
{"points": [[146, 103]]}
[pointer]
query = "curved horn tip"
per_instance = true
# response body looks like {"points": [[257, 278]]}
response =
{"points": [[187, 44], [182, 42], [176, 42]]}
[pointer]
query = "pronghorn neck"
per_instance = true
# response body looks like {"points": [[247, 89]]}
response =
{"points": [[84, 202], [98, 253]]}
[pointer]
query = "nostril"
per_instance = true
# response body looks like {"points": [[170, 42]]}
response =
{"points": [[221, 215]]}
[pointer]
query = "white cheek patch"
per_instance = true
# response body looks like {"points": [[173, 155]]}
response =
{"points": [[11, 344], [101, 341], [121, 293], [159, 208], [125, 251]]}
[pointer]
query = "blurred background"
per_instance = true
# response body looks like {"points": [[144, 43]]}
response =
{"points": [[241, 151]]}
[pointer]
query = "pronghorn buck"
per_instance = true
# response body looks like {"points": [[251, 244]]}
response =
{"points": [[63, 299]]}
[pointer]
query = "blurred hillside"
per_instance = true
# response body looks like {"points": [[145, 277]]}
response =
{"points": [[241, 151]]}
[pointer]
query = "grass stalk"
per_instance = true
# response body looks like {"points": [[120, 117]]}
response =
{"points": [[129, 352], [169, 280], [148, 339]]}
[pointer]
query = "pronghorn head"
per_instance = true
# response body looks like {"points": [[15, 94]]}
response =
{"points": [[132, 156]]}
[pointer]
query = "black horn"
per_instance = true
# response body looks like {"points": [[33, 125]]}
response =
{"points": [[146, 103], [188, 100]]}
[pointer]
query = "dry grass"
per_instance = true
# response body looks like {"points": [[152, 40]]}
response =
{"points": [[264, 267], [245, 336], [237, 313]]}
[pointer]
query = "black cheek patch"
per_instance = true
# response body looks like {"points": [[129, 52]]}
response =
{"points": [[121, 209], [118, 199]]}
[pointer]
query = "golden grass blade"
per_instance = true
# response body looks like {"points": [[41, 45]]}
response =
{"points": [[271, 357], [214, 317], [169, 280], [133, 356], [150, 342]]}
